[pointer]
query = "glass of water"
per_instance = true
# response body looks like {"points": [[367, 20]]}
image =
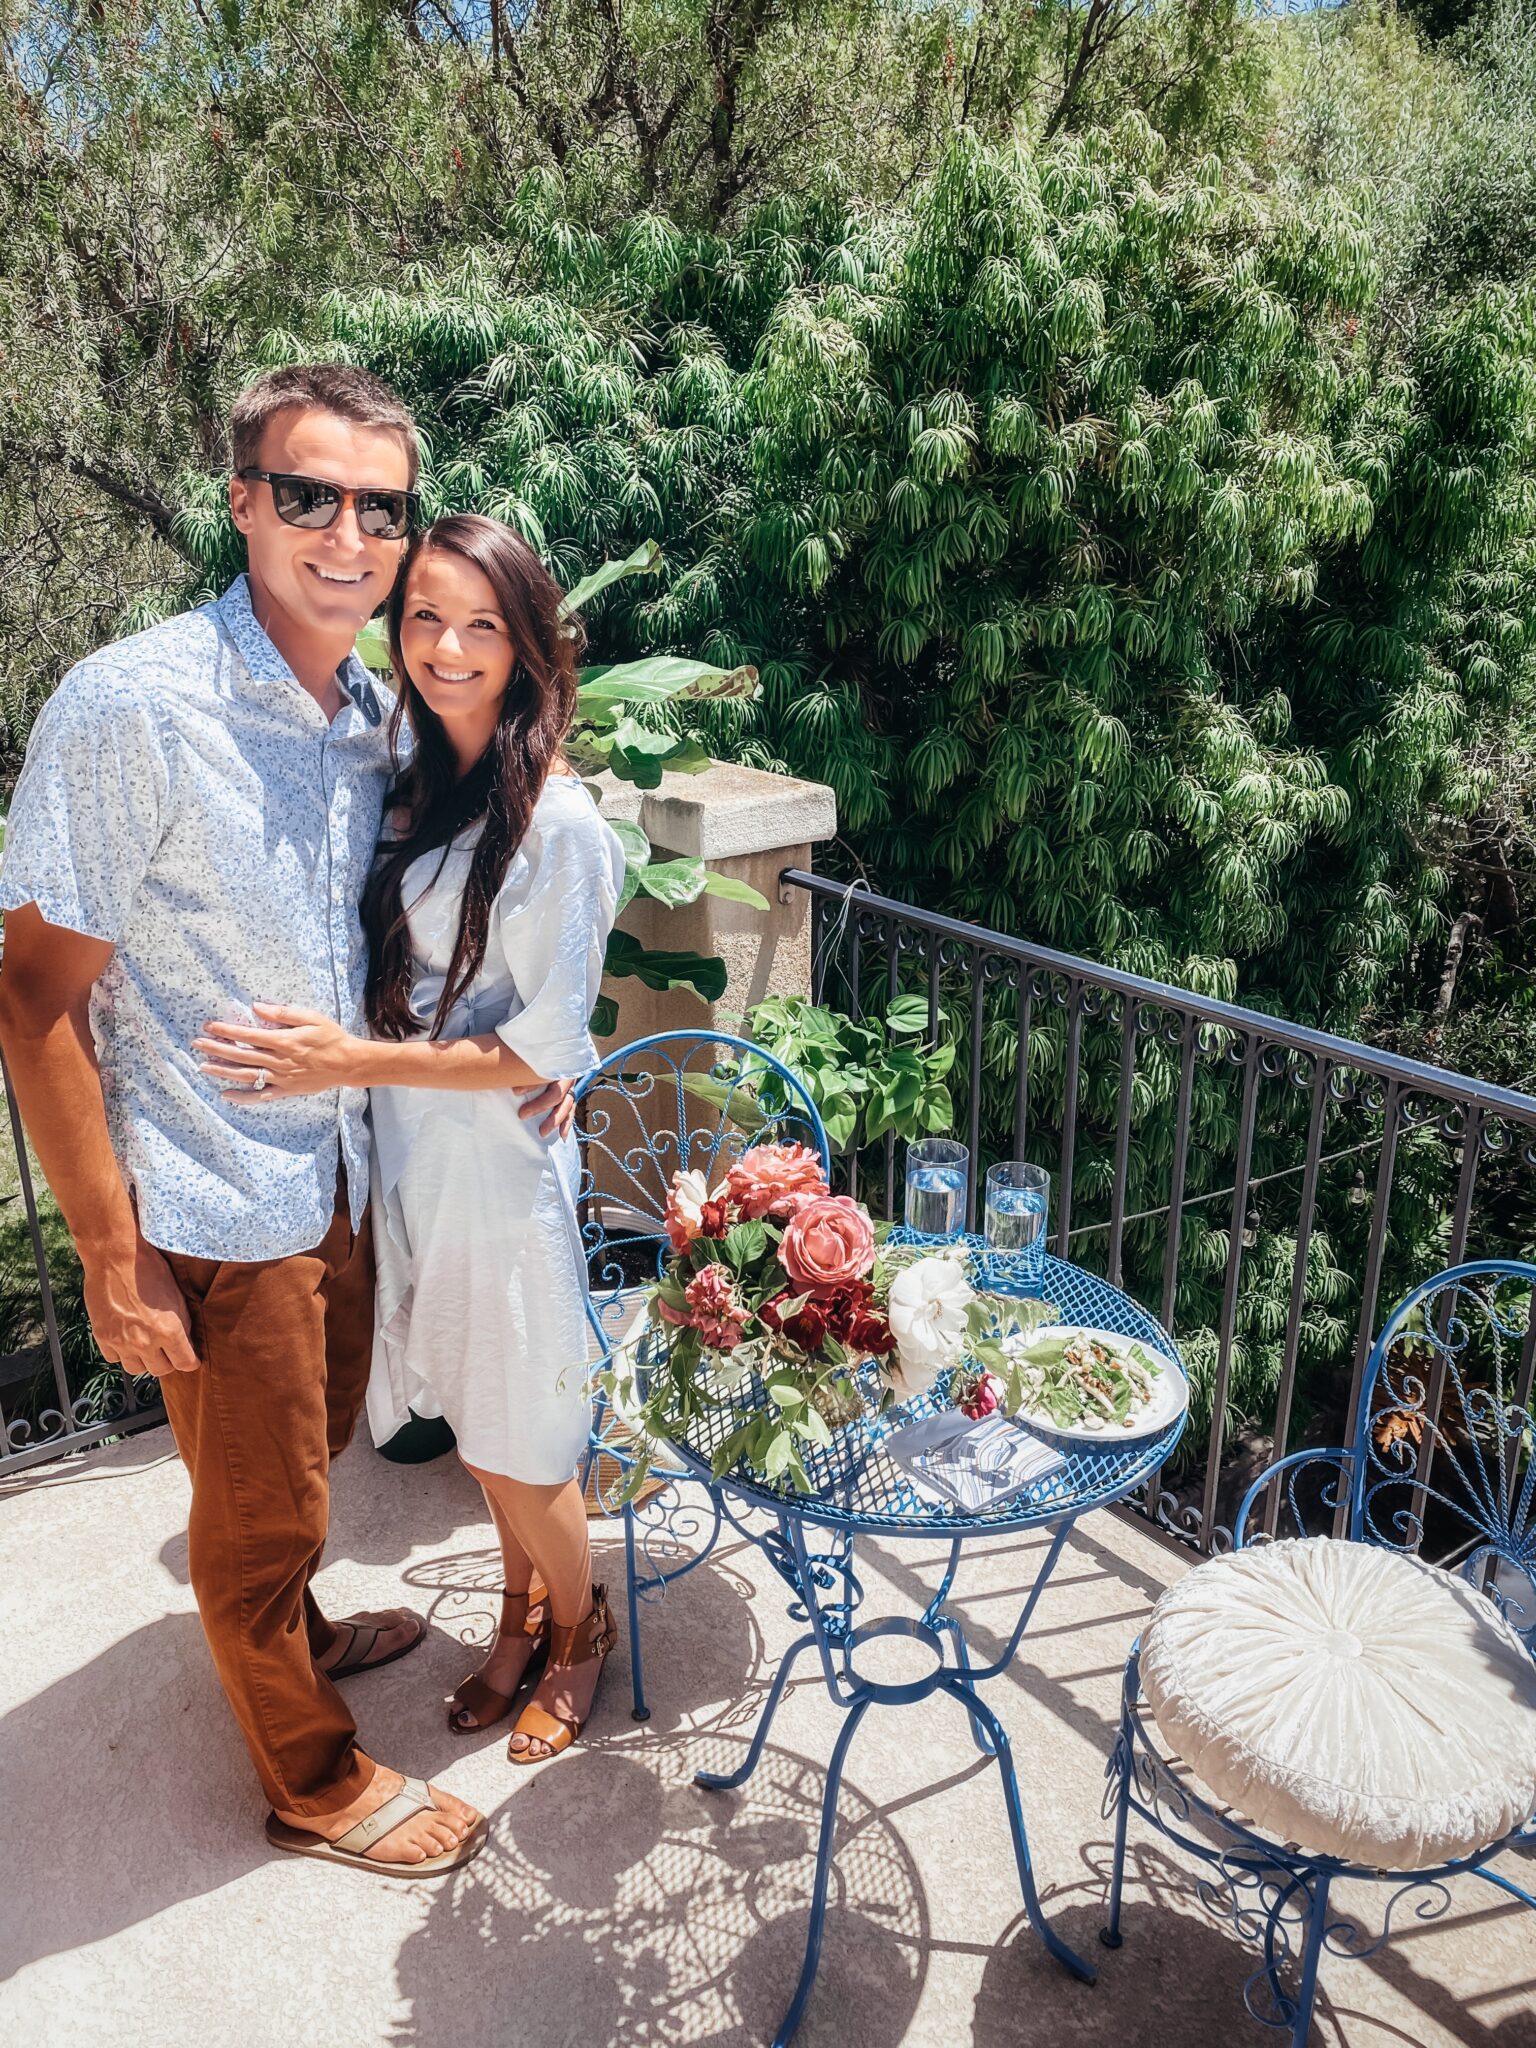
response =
{"points": [[938, 1171], [1018, 1205]]}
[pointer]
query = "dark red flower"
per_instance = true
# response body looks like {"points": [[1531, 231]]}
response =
{"points": [[983, 1399]]}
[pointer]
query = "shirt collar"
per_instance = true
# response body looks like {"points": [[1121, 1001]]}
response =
{"points": [[266, 665]]}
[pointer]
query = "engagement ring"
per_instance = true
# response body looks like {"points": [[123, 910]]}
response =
{"points": [[261, 1078]]}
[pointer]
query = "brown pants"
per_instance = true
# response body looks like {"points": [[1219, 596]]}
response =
{"points": [[285, 1346]]}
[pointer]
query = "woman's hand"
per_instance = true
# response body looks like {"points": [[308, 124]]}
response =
{"points": [[299, 1052]]}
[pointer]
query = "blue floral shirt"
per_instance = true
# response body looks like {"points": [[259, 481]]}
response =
{"points": [[184, 798]]}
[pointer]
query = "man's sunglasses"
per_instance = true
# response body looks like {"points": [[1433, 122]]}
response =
{"points": [[310, 502]]}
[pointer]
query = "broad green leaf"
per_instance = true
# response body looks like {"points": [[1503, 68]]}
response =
{"points": [[372, 647], [635, 739], [736, 1103], [604, 1020], [662, 970], [673, 882], [785, 1394], [744, 1243], [730, 890], [908, 1016], [779, 1452], [637, 848], [812, 1425], [657, 678], [645, 561]]}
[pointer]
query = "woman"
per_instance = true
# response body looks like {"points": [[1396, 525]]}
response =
{"points": [[487, 912]]}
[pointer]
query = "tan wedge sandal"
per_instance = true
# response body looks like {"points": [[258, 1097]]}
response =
{"points": [[546, 1734], [524, 1614]]}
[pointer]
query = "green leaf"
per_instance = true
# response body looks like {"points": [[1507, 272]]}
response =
{"points": [[372, 647], [785, 1394], [779, 1453], [908, 1016], [645, 561], [744, 1243], [604, 1020], [705, 974], [635, 739], [732, 1100], [812, 1425], [730, 890], [658, 678], [673, 882], [637, 848]]}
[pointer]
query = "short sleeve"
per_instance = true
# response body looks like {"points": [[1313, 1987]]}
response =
{"points": [[87, 813], [555, 912]]}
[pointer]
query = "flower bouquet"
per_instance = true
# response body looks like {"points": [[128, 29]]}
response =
{"points": [[780, 1304]]}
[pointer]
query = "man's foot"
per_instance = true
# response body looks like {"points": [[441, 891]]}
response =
{"points": [[362, 1641], [486, 1697], [415, 1840]]}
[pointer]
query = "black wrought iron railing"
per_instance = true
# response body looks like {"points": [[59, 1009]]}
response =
{"points": [[56, 1392], [1268, 1190]]}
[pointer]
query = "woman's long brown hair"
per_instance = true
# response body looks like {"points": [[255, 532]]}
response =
{"points": [[502, 787]]}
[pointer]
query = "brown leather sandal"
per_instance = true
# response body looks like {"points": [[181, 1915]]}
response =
{"points": [[546, 1733], [525, 1614]]}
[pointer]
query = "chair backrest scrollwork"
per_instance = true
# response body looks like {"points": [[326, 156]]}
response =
{"points": [[1445, 1438], [681, 1100]]}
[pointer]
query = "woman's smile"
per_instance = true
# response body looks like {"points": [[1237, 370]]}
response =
{"points": [[452, 675]]}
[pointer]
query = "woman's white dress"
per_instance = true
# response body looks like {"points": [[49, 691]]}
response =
{"points": [[479, 1312]]}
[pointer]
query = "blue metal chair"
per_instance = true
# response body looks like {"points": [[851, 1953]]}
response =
{"points": [[1443, 1460], [676, 1101]]}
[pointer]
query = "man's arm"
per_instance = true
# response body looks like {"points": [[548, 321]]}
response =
{"points": [[137, 1313]]}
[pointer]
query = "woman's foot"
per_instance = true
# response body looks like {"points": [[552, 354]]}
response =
{"points": [[563, 1697], [415, 1840], [486, 1697]]}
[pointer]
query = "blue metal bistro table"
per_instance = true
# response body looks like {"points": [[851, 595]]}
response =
{"points": [[858, 1489]]}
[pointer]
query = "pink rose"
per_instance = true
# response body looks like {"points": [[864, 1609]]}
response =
{"points": [[828, 1243], [717, 1315], [766, 1179]]}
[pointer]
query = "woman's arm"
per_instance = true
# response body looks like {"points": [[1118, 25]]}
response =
{"points": [[304, 1052]]}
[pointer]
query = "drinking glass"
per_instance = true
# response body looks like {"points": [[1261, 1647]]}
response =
{"points": [[1018, 1204], [938, 1171]]}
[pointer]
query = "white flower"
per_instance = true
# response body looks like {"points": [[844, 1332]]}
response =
{"points": [[927, 1309], [685, 1208]]}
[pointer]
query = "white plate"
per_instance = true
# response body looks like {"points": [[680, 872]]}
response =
{"points": [[1170, 1395]]}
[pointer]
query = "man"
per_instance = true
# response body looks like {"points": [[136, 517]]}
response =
{"points": [[190, 834]]}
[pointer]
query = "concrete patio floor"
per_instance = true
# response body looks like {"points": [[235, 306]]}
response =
{"points": [[617, 1903]]}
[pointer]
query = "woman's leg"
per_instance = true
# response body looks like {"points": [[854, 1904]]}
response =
{"points": [[550, 1522], [512, 1647], [547, 1525]]}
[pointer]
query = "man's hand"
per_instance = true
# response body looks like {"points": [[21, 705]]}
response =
{"points": [[554, 1104], [138, 1316]]}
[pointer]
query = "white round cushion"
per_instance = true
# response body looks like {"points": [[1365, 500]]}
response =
{"points": [[1347, 1699]]}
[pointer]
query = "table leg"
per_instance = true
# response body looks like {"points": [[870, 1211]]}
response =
{"points": [[979, 1735], [961, 1689], [718, 1781], [807, 1978]]}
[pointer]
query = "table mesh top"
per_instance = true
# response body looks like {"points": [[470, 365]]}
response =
{"points": [[857, 1483]]}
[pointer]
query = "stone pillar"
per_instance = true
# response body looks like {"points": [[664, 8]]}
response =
{"points": [[747, 824]]}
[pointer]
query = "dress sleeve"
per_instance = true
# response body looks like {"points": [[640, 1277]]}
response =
{"points": [[555, 911], [89, 804]]}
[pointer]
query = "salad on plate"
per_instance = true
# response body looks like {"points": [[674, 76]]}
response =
{"points": [[1088, 1381]]}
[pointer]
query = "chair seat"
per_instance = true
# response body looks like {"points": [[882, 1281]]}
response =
{"points": [[1347, 1699]]}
